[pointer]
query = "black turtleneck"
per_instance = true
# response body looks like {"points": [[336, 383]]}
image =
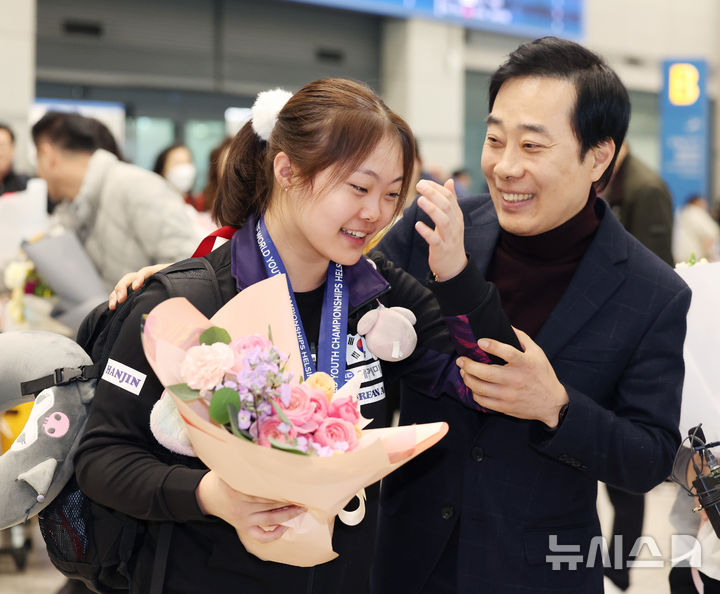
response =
{"points": [[532, 273]]}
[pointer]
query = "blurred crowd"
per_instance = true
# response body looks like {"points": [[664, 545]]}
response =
{"points": [[125, 217]]}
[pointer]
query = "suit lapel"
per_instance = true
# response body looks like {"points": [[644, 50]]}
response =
{"points": [[599, 274]]}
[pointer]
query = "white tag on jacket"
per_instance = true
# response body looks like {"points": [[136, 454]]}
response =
{"points": [[123, 376]]}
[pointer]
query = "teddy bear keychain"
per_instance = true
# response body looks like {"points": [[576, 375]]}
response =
{"points": [[389, 332]]}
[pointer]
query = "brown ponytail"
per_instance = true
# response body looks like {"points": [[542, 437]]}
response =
{"points": [[243, 186]]}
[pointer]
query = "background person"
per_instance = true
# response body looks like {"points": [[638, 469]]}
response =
{"points": [[642, 203], [175, 164], [696, 233], [595, 396], [462, 180], [218, 155], [9, 180], [125, 217]]}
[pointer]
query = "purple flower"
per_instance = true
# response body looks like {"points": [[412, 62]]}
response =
{"points": [[302, 443], [265, 408], [285, 394], [244, 419], [251, 380], [267, 369], [323, 451]]}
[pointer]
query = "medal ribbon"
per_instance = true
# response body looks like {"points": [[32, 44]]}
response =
{"points": [[333, 318]]}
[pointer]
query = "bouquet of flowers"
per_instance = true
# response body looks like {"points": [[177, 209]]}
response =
{"points": [[247, 388], [236, 399], [22, 279]]}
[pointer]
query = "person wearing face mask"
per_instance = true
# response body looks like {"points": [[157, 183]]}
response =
{"points": [[175, 164]]}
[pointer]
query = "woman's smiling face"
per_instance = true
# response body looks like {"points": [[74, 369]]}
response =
{"points": [[339, 219]]}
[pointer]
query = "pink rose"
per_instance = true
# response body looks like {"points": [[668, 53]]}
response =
{"points": [[345, 407], [205, 365], [337, 434], [241, 346], [274, 428], [300, 408], [319, 402]]}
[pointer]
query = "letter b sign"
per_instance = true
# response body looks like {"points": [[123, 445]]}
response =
{"points": [[683, 86]]}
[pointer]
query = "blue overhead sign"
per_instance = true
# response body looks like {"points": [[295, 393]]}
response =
{"points": [[533, 18], [685, 129]]}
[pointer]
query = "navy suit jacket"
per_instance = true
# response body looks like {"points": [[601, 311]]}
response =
{"points": [[512, 487]]}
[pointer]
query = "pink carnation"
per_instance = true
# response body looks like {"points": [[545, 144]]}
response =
{"points": [[204, 366], [337, 434], [345, 407], [275, 428], [301, 408], [241, 346]]}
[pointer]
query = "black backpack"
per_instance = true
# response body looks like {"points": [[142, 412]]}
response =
{"points": [[87, 541]]}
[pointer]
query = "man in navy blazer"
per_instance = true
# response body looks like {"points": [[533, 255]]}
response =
{"points": [[505, 503]]}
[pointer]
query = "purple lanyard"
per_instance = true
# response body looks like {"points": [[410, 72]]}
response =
{"points": [[333, 318]]}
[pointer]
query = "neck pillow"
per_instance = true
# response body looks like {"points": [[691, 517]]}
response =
{"points": [[40, 461]]}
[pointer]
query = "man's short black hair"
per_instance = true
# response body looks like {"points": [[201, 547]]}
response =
{"points": [[8, 129], [74, 132], [602, 105]]}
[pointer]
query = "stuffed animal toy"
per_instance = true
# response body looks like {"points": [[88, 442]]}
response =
{"points": [[168, 427], [389, 332], [39, 462]]}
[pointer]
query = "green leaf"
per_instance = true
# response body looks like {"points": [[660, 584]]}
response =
{"points": [[270, 338], [287, 447], [219, 404], [215, 334], [184, 392], [279, 412]]}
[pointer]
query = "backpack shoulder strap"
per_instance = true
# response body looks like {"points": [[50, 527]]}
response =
{"points": [[162, 551], [206, 245], [194, 279]]}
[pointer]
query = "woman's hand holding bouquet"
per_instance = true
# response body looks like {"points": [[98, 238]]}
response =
{"points": [[254, 517]]}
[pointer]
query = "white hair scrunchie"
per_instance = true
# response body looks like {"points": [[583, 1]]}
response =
{"points": [[265, 111]]}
